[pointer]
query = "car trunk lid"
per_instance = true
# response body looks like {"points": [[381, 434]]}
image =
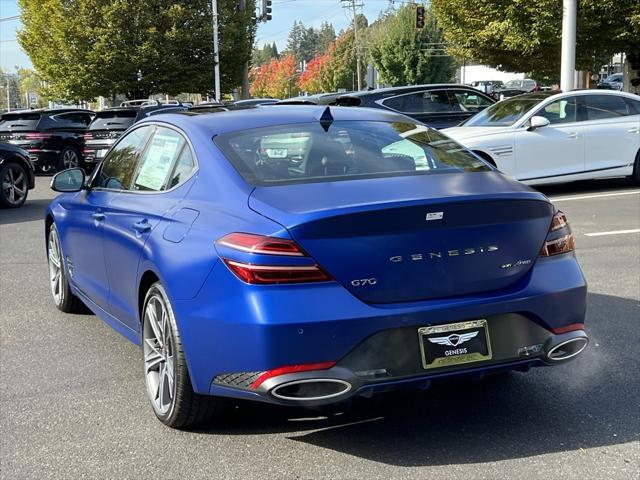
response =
{"points": [[413, 238]]}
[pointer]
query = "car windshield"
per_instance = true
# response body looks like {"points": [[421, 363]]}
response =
{"points": [[503, 114], [306, 153], [615, 77]]}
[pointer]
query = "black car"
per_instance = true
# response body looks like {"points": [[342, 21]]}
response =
{"points": [[16, 176], [110, 123], [438, 105], [53, 137]]}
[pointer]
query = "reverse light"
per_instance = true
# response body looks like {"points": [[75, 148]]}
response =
{"points": [[267, 274], [305, 367], [560, 244]]}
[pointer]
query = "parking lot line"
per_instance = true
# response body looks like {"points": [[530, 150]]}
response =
{"points": [[597, 195], [614, 232]]}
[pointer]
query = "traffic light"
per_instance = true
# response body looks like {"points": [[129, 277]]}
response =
{"points": [[419, 17], [266, 10]]}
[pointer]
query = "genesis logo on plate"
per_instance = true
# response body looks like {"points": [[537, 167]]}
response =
{"points": [[454, 339], [434, 216]]}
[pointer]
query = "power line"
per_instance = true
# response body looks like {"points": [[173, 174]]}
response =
{"points": [[7, 19]]}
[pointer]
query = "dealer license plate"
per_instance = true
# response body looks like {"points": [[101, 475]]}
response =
{"points": [[454, 343]]}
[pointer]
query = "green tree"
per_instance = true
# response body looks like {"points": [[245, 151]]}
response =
{"points": [[525, 36], [87, 48], [326, 36], [31, 83], [403, 55]]}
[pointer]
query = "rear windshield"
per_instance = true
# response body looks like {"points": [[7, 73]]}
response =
{"points": [[298, 153], [107, 120], [19, 121]]}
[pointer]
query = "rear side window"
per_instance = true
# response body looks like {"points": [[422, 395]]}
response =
{"points": [[306, 153], [600, 107], [19, 121], [183, 168], [634, 106], [158, 159], [119, 167], [431, 101]]}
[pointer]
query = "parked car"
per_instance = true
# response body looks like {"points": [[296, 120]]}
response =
{"points": [[317, 99], [487, 86], [252, 102], [399, 261], [612, 82], [16, 176], [212, 107], [437, 105], [550, 137], [109, 124], [53, 137]]}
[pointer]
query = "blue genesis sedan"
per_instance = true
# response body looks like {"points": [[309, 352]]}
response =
{"points": [[303, 255]]}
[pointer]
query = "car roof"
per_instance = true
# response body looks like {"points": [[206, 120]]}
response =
{"points": [[210, 124], [50, 111], [406, 89]]}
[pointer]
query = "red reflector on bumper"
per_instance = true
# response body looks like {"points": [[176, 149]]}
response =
{"points": [[305, 367], [569, 328]]}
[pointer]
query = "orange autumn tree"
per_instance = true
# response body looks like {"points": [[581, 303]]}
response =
{"points": [[275, 79], [312, 79]]}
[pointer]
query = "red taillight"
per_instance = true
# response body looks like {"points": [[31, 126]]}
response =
{"points": [[276, 274], [565, 243], [38, 136], [88, 136], [251, 243], [305, 367], [559, 221], [262, 273]]}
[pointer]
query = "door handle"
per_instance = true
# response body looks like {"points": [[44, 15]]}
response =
{"points": [[98, 216], [573, 135], [634, 130], [142, 226]]}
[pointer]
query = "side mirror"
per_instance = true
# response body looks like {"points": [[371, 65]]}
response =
{"points": [[70, 180], [537, 122]]}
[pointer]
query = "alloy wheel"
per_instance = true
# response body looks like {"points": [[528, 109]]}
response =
{"points": [[14, 185], [69, 158], [158, 354], [55, 268]]}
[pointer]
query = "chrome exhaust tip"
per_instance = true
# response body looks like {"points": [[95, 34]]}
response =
{"points": [[567, 349], [311, 389]]}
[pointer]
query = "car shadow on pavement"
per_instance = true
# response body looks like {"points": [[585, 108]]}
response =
{"points": [[591, 187], [30, 211], [589, 402]]}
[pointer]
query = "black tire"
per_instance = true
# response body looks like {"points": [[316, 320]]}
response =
{"points": [[14, 185], [69, 158], [65, 301], [636, 170], [185, 408]]}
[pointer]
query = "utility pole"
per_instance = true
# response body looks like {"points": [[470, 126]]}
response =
{"points": [[245, 68], [216, 48], [568, 59], [8, 96], [352, 4]]}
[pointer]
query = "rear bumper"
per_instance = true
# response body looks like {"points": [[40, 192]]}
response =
{"points": [[230, 328], [44, 157]]}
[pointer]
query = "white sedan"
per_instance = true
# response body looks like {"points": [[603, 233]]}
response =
{"points": [[548, 137]]}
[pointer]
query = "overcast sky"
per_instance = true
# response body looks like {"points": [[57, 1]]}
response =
{"points": [[310, 12]]}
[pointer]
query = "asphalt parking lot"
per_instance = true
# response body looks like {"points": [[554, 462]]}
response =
{"points": [[72, 401]]}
